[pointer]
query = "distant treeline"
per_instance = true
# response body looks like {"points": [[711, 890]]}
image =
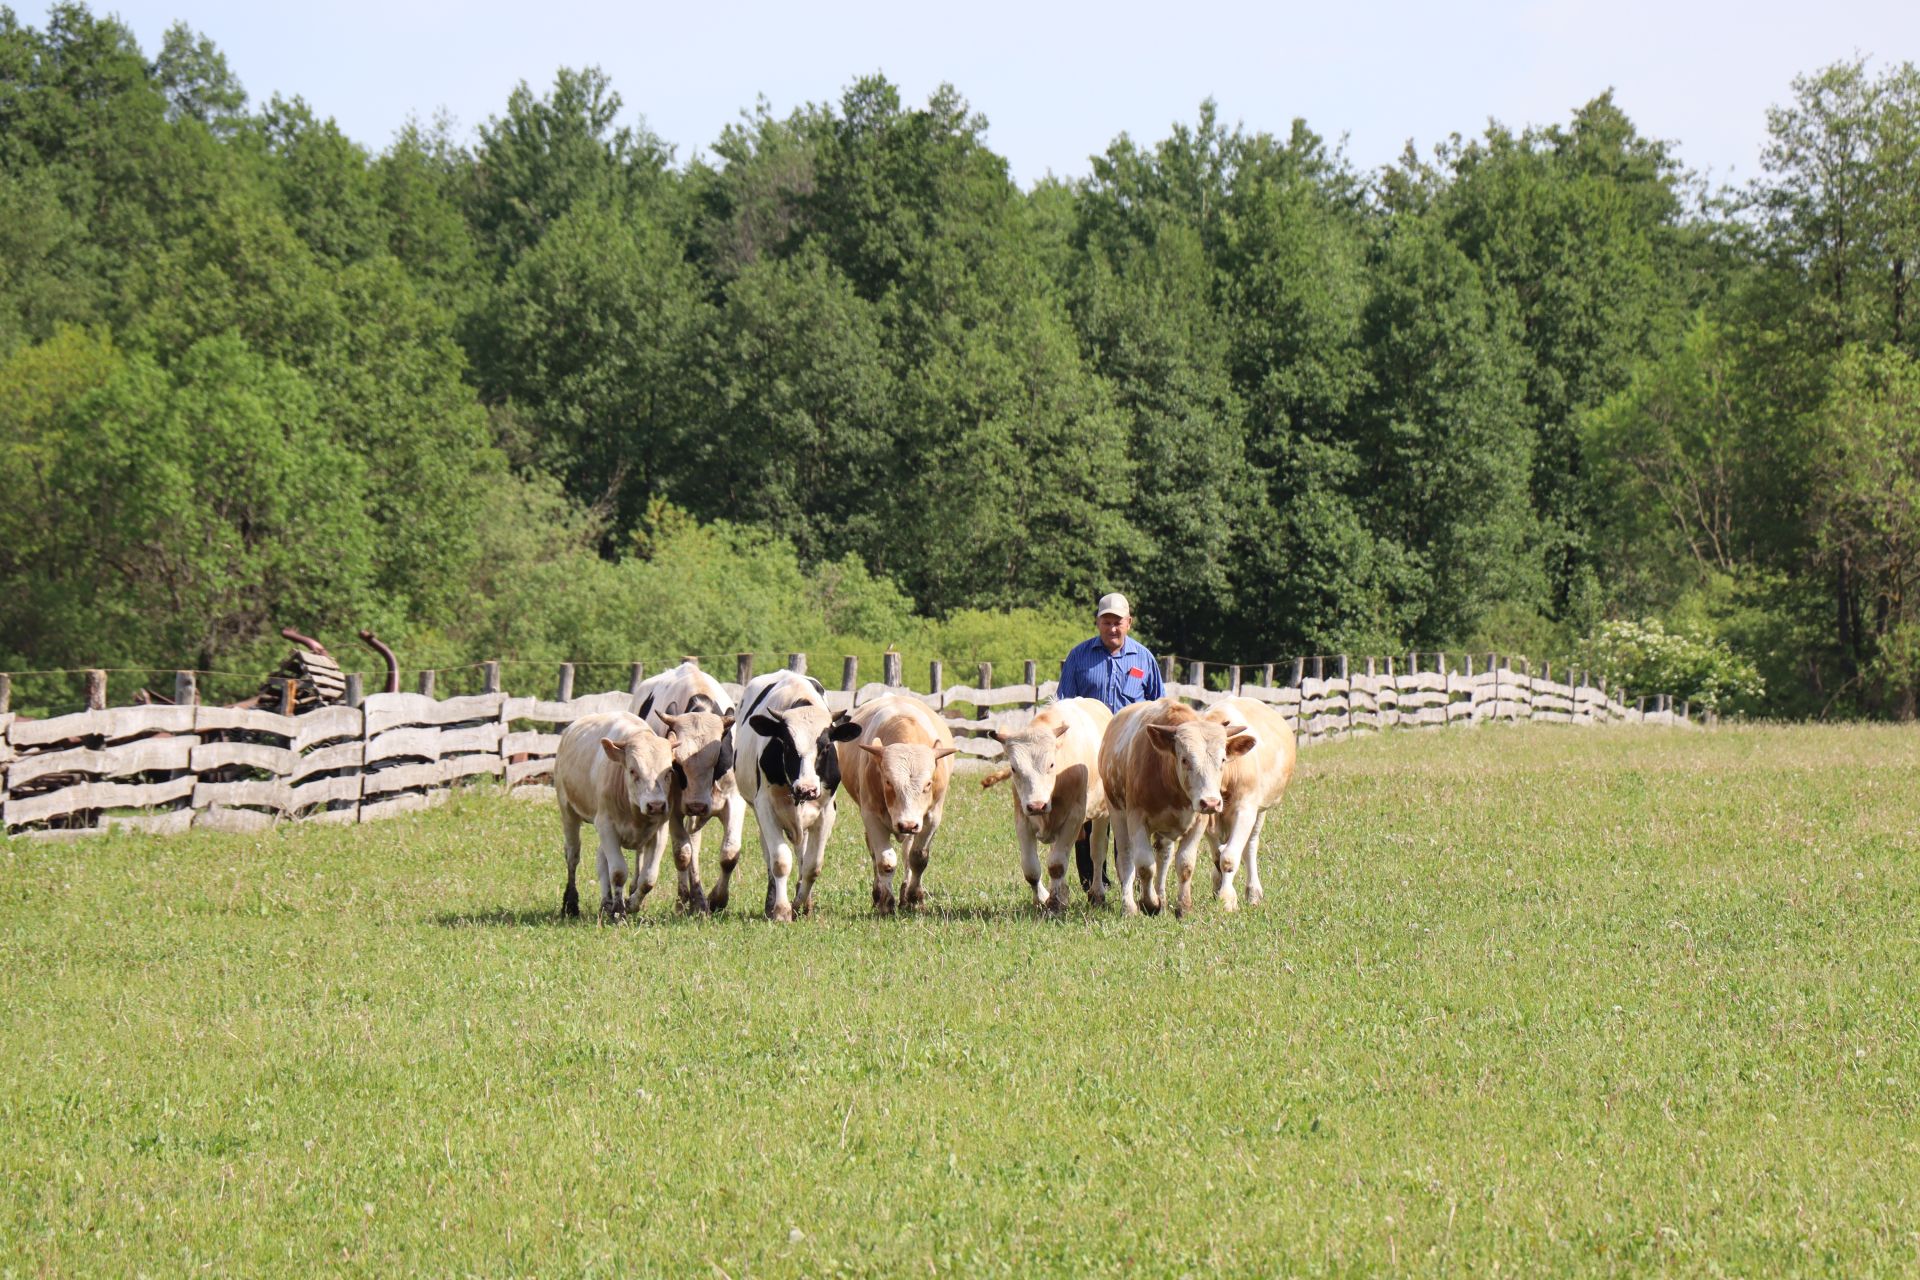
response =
{"points": [[542, 391]]}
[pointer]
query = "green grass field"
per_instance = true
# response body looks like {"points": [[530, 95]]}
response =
{"points": [[1538, 1000]]}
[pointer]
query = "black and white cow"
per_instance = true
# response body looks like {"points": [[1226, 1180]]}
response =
{"points": [[789, 773]]}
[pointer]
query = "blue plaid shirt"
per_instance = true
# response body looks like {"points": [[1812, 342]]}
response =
{"points": [[1117, 679]]}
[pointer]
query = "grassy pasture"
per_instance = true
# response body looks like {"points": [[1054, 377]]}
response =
{"points": [[1520, 1000]]}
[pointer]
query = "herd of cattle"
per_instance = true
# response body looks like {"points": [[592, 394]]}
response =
{"points": [[1162, 776]]}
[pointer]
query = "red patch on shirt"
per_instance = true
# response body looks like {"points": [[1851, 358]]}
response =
{"points": [[1135, 672]]}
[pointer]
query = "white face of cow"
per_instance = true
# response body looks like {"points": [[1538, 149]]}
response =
{"points": [[1030, 755], [906, 781], [1199, 749], [702, 759], [646, 764]]}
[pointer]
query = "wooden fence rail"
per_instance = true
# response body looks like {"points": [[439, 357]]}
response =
{"points": [[171, 768]]}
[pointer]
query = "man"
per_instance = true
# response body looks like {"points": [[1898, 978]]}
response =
{"points": [[1114, 669]]}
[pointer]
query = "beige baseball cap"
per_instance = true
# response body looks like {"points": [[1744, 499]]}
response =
{"points": [[1115, 603]]}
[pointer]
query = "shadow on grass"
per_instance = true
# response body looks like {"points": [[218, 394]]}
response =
{"points": [[1017, 911]]}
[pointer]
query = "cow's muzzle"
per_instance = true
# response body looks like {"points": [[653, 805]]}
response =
{"points": [[1208, 804], [656, 807], [805, 791], [1038, 807], [907, 826], [697, 807]]}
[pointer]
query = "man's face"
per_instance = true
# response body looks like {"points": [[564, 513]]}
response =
{"points": [[1113, 630]]}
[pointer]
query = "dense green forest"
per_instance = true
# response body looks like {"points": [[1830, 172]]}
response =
{"points": [[545, 391]]}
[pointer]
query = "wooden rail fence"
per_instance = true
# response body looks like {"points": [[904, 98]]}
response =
{"points": [[171, 768]]}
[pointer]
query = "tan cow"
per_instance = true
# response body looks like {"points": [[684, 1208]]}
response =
{"points": [[1161, 765], [1251, 783], [897, 771], [692, 707], [613, 771], [1055, 765]]}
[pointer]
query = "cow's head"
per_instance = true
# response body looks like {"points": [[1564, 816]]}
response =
{"points": [[1200, 749], [1031, 757], [906, 772], [799, 752], [702, 743], [646, 764]]}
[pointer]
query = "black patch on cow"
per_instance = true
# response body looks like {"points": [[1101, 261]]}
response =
{"points": [[826, 761], [724, 764], [817, 686], [700, 702], [679, 776], [759, 698], [778, 763], [646, 707]]}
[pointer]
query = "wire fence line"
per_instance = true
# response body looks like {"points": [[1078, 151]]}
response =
{"points": [[173, 767]]}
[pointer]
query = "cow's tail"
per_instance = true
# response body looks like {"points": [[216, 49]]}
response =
{"points": [[996, 777]]}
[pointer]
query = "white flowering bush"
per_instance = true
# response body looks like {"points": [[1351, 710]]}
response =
{"points": [[1647, 658]]}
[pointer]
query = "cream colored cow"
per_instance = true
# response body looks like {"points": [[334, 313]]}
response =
{"points": [[1251, 783], [897, 771], [691, 706], [1055, 765], [613, 771]]}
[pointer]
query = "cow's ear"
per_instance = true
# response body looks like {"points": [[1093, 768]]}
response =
{"points": [[944, 752], [1161, 736], [1060, 730], [726, 722], [764, 725], [1240, 743], [614, 750], [999, 735], [873, 749], [843, 730]]}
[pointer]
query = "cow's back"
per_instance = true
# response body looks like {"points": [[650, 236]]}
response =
{"points": [[677, 687]]}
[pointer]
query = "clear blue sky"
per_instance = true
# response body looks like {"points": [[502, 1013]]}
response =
{"points": [[1057, 83]]}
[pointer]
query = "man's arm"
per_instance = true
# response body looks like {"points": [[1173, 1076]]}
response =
{"points": [[1152, 685], [1069, 679]]}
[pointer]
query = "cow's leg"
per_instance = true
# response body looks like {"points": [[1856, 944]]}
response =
{"points": [[1254, 892], [732, 821], [1131, 852], [880, 846], [653, 848], [1227, 852], [570, 835], [919, 851], [1029, 856], [1186, 855], [813, 854], [1102, 829], [1156, 895], [779, 851], [613, 869], [1059, 856], [1084, 852], [686, 857]]}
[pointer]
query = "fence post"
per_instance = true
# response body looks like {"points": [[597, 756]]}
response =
{"points": [[1493, 665], [742, 668], [849, 673], [797, 663], [693, 658], [935, 683], [6, 693], [288, 687], [490, 677], [890, 669], [565, 691], [986, 682], [96, 690], [356, 689], [1031, 678], [636, 676], [185, 694], [1266, 676], [1197, 674], [426, 683], [1169, 669], [1299, 672]]}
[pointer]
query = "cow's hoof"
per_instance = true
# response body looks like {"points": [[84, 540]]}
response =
{"points": [[781, 914], [805, 906], [697, 904], [883, 902], [1229, 902], [1253, 897], [915, 898], [717, 900], [1151, 905], [1055, 905], [570, 905]]}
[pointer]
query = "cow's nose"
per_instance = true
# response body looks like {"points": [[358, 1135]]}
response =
{"points": [[806, 791], [907, 827], [1038, 806], [656, 807], [1209, 805], [696, 806]]}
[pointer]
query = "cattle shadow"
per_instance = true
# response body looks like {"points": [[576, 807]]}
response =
{"points": [[933, 914]]}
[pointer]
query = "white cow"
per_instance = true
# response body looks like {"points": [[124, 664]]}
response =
{"points": [[690, 707], [1251, 783], [788, 771], [1055, 765], [897, 771], [613, 771]]}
